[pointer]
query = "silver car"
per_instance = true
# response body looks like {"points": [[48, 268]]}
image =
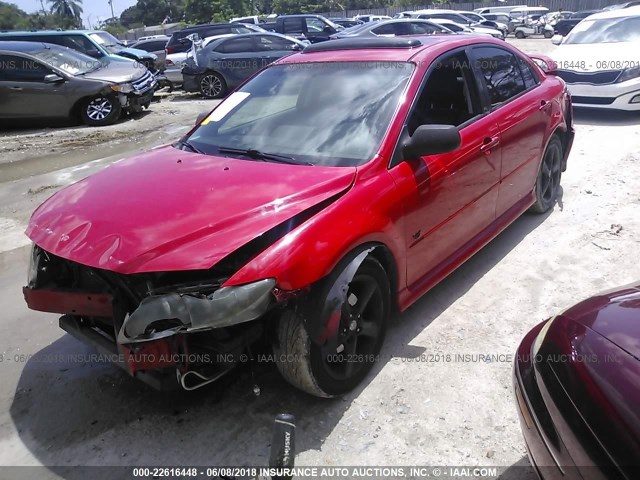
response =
{"points": [[394, 27], [42, 80]]}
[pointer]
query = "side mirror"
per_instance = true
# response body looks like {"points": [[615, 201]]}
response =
{"points": [[431, 140], [201, 117], [53, 78], [94, 52], [547, 65], [296, 48], [556, 39]]}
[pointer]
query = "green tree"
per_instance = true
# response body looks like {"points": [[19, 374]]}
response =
{"points": [[67, 11], [152, 12], [203, 11], [11, 17]]}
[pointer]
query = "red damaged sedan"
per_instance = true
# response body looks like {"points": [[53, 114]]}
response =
{"points": [[336, 185]]}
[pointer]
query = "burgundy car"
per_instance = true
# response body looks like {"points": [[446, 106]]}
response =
{"points": [[577, 385], [337, 184]]}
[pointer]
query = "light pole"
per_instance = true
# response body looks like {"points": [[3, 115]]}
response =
{"points": [[111, 5]]}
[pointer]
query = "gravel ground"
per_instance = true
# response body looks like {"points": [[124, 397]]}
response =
{"points": [[424, 403]]}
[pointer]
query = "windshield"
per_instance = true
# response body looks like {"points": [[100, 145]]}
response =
{"points": [[105, 39], [331, 114], [606, 30], [69, 61]]}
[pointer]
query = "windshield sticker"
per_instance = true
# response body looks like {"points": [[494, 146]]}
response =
{"points": [[225, 107]]}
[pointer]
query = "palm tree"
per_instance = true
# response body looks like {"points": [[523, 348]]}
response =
{"points": [[71, 9]]}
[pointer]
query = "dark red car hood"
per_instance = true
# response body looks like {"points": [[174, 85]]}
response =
{"points": [[614, 314], [168, 210]]}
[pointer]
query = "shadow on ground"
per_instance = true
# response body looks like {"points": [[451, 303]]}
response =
{"points": [[521, 470], [72, 411]]}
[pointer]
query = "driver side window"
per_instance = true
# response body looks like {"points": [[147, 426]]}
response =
{"points": [[22, 69], [449, 95]]}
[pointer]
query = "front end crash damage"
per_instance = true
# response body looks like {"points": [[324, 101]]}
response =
{"points": [[165, 315], [169, 329]]}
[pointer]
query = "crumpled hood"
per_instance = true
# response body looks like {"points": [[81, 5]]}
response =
{"points": [[595, 57], [168, 209], [117, 72]]}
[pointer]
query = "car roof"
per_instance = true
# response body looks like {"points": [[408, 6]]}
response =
{"points": [[202, 25], [215, 38], [26, 33], [384, 49], [25, 47], [619, 13]]}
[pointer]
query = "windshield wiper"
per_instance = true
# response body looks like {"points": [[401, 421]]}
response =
{"points": [[258, 155], [190, 146]]}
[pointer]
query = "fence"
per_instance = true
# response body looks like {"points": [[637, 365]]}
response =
{"points": [[552, 5]]}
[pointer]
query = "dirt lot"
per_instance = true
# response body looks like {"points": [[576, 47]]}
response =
{"points": [[419, 406]]}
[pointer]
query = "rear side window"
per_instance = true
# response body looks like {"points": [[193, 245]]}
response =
{"points": [[501, 73], [398, 28], [272, 43], [237, 45], [423, 28], [21, 69], [293, 25], [152, 46]]}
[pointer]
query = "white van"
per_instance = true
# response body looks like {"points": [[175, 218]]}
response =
{"points": [[484, 10], [520, 12]]}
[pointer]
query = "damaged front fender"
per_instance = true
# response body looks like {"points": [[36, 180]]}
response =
{"points": [[324, 326], [162, 316]]}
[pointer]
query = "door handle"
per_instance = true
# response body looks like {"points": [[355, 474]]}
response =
{"points": [[544, 105], [15, 88], [488, 144]]}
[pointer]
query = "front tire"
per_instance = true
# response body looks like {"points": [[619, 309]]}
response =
{"points": [[548, 34], [212, 85], [100, 111], [549, 176], [519, 35], [346, 357]]}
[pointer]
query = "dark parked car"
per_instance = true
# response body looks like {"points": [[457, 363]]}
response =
{"points": [[307, 27], [95, 43], [394, 27], [226, 62], [565, 25], [157, 46], [40, 80], [337, 184], [180, 43], [577, 385]]}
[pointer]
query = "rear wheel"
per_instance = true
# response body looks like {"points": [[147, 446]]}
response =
{"points": [[549, 175], [548, 34], [100, 111], [212, 85], [519, 34], [342, 361]]}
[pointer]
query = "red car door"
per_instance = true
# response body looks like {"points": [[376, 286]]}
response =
{"points": [[523, 113], [448, 198]]}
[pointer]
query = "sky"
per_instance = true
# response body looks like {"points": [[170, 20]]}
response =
{"points": [[94, 10]]}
